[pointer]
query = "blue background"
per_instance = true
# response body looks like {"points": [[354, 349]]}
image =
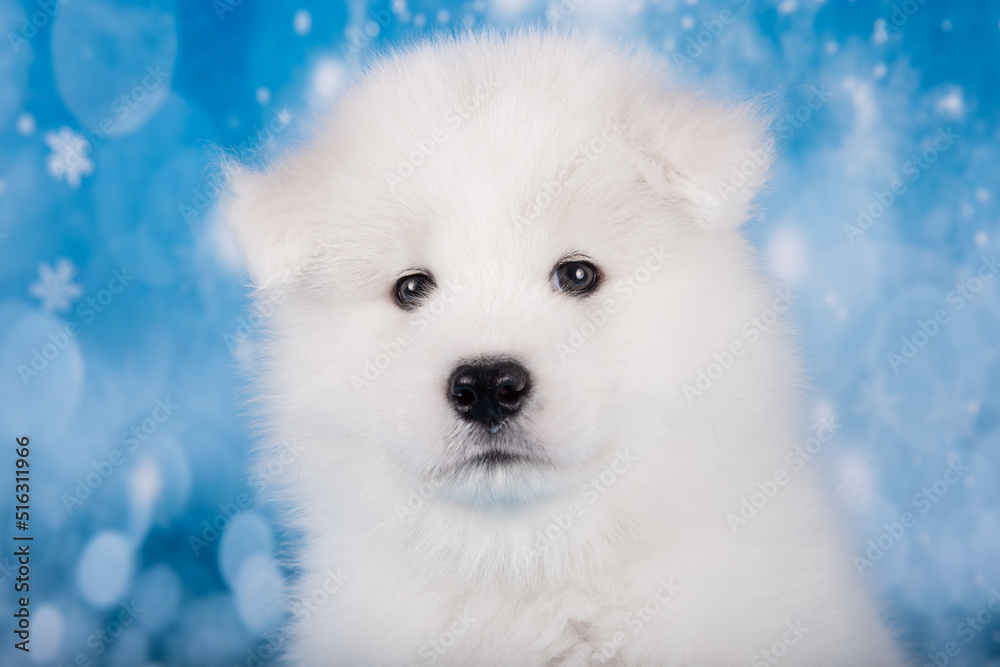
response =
{"points": [[107, 164]]}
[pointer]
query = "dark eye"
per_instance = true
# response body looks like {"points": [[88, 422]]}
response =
{"points": [[576, 277], [411, 290]]}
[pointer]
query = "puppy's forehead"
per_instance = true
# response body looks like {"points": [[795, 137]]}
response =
{"points": [[485, 148], [517, 94]]}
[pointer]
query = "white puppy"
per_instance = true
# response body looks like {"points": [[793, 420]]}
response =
{"points": [[545, 397]]}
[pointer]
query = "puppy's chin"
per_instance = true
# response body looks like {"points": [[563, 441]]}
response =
{"points": [[495, 469]]}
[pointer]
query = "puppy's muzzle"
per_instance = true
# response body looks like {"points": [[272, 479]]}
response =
{"points": [[489, 391]]}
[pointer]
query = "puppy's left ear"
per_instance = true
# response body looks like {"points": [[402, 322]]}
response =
{"points": [[712, 159], [260, 208]]}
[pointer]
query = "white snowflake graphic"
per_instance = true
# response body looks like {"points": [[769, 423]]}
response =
{"points": [[55, 287], [879, 403], [284, 116], [68, 158]]}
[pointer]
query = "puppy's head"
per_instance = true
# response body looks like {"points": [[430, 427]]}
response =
{"points": [[499, 263]]}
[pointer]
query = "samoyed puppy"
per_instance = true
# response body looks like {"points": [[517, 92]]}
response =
{"points": [[543, 407]]}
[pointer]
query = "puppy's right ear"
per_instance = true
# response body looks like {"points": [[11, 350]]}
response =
{"points": [[713, 158], [277, 244]]}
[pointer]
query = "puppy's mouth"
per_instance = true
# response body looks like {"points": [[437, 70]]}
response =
{"points": [[503, 445], [495, 458]]}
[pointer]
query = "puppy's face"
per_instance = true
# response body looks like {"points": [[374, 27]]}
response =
{"points": [[492, 279]]}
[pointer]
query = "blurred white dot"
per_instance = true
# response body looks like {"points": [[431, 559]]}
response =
{"points": [[981, 239], [26, 124], [832, 47], [327, 78], [824, 414], [144, 488], [879, 34], [841, 314], [687, 22], [787, 253], [105, 569], [263, 95], [787, 7], [951, 104], [691, 2], [145, 483], [924, 539], [3, 186], [880, 70], [248, 534], [302, 22], [259, 593], [233, 122], [982, 195], [506, 8], [946, 25], [855, 481], [634, 8], [49, 631], [174, 469], [443, 16], [419, 20]]}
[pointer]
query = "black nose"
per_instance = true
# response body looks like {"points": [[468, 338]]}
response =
{"points": [[488, 392]]}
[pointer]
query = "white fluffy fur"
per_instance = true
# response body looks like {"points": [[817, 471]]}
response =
{"points": [[323, 230]]}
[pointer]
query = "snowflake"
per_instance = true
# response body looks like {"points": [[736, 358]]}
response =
{"points": [[953, 407], [879, 403], [69, 156], [55, 286]]}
